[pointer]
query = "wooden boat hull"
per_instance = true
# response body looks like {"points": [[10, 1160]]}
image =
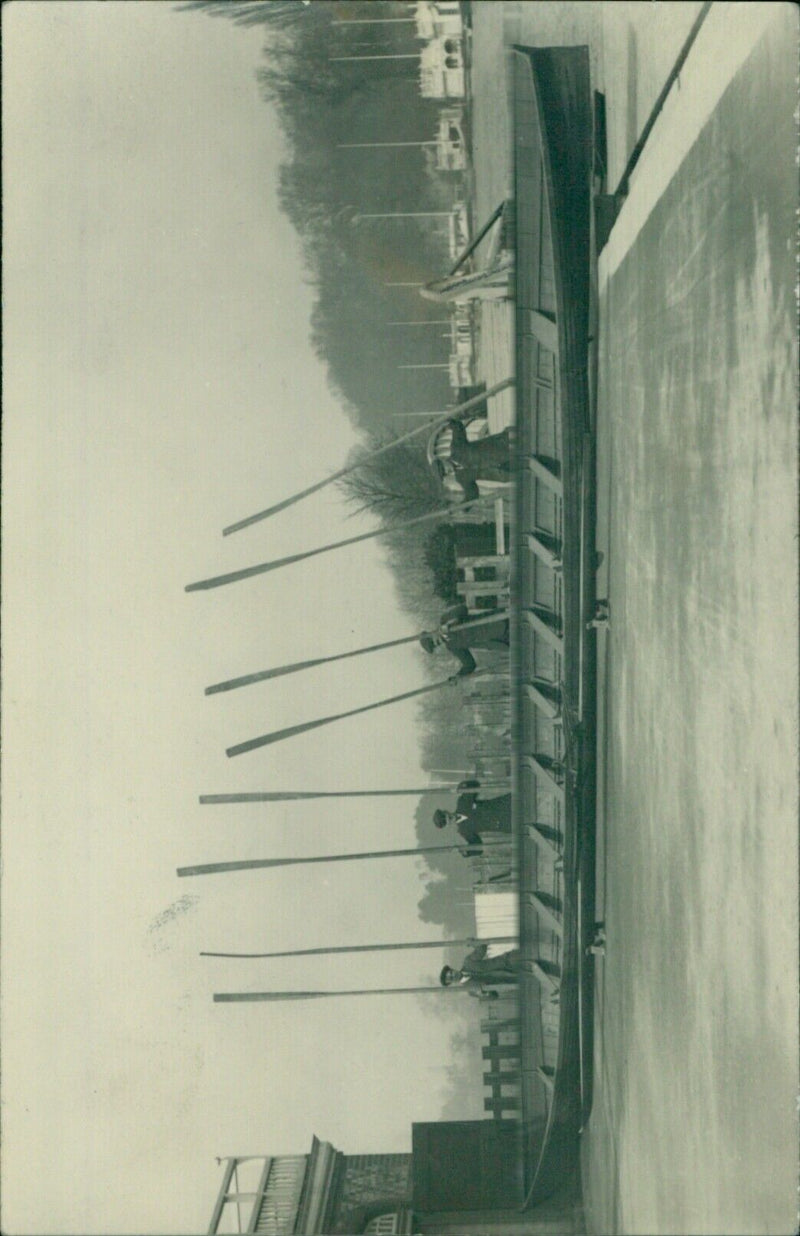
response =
{"points": [[553, 168]]}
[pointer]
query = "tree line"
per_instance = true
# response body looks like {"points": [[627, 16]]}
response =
{"points": [[322, 103]]}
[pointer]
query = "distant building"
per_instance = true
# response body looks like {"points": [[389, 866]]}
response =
{"points": [[462, 347], [451, 152], [462, 327], [458, 229], [441, 69], [438, 19], [460, 371], [323, 1191], [462, 1178]]}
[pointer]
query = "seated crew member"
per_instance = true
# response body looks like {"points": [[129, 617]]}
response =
{"points": [[458, 633], [600, 617], [477, 970], [485, 459], [474, 817], [598, 946]]}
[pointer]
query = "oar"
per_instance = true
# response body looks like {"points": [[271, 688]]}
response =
{"points": [[243, 997], [367, 948], [291, 731], [263, 675], [428, 426], [283, 796], [261, 568], [253, 864]]}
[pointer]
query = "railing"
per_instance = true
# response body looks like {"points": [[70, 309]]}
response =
{"points": [[483, 582], [501, 1054]]}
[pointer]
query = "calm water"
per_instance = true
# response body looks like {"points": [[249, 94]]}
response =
{"points": [[694, 1127], [695, 1124]]}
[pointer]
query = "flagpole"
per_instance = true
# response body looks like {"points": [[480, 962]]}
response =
{"points": [[304, 493], [253, 864], [367, 948], [391, 56], [371, 21], [381, 145], [404, 214]]}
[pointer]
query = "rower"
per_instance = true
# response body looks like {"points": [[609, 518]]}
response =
{"points": [[458, 633]]}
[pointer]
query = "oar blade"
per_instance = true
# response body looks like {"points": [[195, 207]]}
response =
{"points": [[335, 476], [279, 506], [263, 675], [232, 577], [236, 997], [280, 796], [264, 740], [245, 680], [245, 864], [261, 568]]}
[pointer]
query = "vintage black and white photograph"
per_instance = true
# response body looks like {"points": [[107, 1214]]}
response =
{"points": [[400, 618]]}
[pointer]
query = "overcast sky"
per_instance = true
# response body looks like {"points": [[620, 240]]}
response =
{"points": [[159, 384]]}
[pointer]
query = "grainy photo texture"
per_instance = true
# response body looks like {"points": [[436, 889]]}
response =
{"points": [[400, 599]]}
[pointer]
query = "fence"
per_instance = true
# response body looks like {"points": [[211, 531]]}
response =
{"points": [[501, 1053]]}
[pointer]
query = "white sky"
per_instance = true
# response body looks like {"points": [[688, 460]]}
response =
{"points": [[159, 384]]}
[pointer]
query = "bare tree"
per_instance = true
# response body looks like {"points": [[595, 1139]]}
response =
{"points": [[251, 12], [395, 486]]}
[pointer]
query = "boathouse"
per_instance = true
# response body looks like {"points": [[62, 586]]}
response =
{"points": [[450, 150], [461, 1179], [441, 69], [438, 18]]}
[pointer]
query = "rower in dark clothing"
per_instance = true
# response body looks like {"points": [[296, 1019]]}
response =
{"points": [[457, 632], [477, 970], [485, 459], [474, 817]]}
